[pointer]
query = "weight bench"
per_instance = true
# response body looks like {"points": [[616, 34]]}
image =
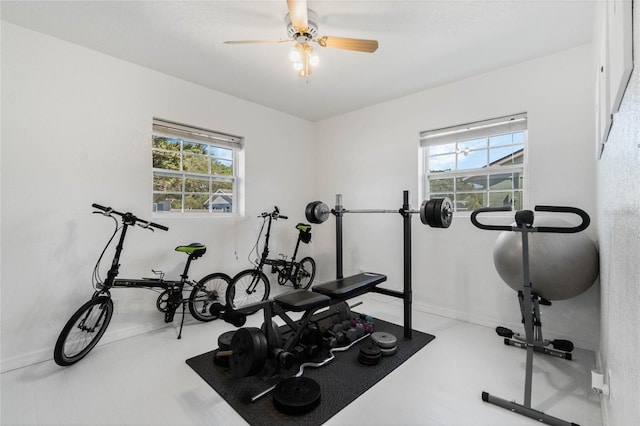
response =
{"points": [[322, 295], [253, 347], [349, 287]]}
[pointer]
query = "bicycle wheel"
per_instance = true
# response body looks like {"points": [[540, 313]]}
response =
{"points": [[306, 273], [249, 286], [210, 289], [83, 331]]}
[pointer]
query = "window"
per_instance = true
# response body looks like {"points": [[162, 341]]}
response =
{"points": [[194, 170], [477, 164]]}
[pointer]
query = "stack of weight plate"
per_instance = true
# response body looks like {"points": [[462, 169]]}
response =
{"points": [[296, 395], [369, 354], [387, 342], [379, 344]]}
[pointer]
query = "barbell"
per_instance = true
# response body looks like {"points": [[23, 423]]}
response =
{"points": [[436, 212]]}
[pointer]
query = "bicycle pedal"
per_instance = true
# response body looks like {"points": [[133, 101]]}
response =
{"points": [[168, 317], [504, 332]]}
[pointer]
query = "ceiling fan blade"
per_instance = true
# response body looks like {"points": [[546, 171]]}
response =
{"points": [[255, 41], [356, 44], [298, 14]]}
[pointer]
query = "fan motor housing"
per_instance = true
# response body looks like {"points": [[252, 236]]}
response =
{"points": [[312, 31]]}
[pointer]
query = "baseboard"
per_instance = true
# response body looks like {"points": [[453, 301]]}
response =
{"points": [[46, 354], [604, 407], [494, 322]]}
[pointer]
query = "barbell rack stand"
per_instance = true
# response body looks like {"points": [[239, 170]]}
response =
{"points": [[407, 293]]}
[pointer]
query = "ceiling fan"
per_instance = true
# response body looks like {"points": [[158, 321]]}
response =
{"points": [[302, 28]]}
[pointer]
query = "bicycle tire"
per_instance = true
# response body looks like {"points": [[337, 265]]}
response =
{"points": [[238, 293], [77, 339], [210, 289], [305, 273]]}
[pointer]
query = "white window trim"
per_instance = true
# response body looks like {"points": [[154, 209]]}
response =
{"points": [[170, 129], [507, 124]]}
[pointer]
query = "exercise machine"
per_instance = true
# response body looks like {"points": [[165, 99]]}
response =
{"points": [[532, 293]]}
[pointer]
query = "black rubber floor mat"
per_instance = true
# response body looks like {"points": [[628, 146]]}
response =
{"points": [[341, 381]]}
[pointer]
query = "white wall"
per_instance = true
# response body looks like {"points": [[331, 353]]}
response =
{"points": [[76, 130], [619, 235], [371, 156]]}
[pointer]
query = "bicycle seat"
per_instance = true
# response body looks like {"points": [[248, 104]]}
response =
{"points": [[304, 227], [305, 232], [194, 250]]}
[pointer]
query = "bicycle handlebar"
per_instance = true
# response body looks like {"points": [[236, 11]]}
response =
{"points": [[129, 217], [553, 229], [275, 214]]}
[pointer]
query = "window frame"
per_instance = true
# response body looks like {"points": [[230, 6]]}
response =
{"points": [[183, 134], [485, 129]]}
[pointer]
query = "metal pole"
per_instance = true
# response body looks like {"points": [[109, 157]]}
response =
{"points": [[338, 211], [528, 321], [370, 211], [408, 295]]}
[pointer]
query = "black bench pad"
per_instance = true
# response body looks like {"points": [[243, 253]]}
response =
{"points": [[348, 287], [301, 300]]}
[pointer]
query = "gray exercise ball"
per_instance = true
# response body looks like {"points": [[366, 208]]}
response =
{"points": [[561, 266]]}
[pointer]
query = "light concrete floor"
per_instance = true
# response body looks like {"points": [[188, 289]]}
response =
{"points": [[145, 380]]}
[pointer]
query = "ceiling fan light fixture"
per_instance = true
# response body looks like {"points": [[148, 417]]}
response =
{"points": [[295, 56], [303, 59], [302, 29]]}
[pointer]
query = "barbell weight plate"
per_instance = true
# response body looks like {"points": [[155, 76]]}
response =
{"points": [[367, 361], [296, 395], [370, 354], [370, 350], [317, 212], [426, 212], [384, 340], [446, 212], [274, 335], [340, 312], [321, 211], [436, 212], [249, 352], [309, 211], [389, 351], [224, 340]]}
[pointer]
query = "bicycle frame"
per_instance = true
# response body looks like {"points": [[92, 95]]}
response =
{"points": [[287, 269], [171, 298], [252, 285], [87, 325]]}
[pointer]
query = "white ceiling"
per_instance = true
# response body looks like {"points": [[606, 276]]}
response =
{"points": [[422, 43]]}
